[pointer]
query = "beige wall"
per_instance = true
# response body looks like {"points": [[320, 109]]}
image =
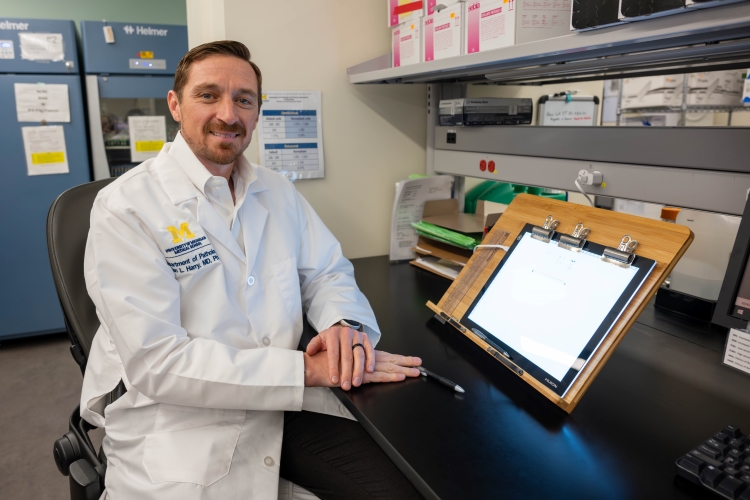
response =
{"points": [[373, 135]]}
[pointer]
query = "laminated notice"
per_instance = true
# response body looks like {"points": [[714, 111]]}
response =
{"points": [[737, 350], [45, 150], [36, 102], [42, 46], [147, 136]]}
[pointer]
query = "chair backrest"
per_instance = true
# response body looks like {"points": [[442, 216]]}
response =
{"points": [[68, 224]]}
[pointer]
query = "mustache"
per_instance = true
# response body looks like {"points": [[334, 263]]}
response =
{"points": [[236, 128]]}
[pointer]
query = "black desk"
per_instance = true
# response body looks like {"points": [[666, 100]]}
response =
{"points": [[658, 396]]}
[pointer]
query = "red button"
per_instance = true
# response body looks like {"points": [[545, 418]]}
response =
{"points": [[491, 166], [482, 165]]}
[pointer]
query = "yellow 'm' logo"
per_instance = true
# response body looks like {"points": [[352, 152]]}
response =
{"points": [[179, 234]]}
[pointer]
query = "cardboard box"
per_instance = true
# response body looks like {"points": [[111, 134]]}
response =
{"points": [[407, 44], [410, 11], [652, 91], [718, 88], [442, 34], [492, 24]]}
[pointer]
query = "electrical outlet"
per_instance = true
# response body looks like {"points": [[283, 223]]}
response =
{"points": [[587, 178]]}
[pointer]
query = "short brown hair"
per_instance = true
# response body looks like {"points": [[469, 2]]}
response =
{"points": [[223, 48]]}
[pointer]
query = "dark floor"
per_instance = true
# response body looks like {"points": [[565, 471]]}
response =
{"points": [[40, 385]]}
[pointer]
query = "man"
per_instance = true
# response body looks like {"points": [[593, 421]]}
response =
{"points": [[200, 266]]}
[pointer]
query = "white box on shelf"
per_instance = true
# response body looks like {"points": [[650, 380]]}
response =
{"points": [[718, 88], [442, 35], [403, 11], [649, 91], [407, 44], [492, 24]]}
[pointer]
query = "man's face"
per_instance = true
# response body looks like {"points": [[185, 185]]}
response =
{"points": [[218, 110]]}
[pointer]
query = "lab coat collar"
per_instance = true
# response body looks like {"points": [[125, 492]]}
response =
{"points": [[175, 170]]}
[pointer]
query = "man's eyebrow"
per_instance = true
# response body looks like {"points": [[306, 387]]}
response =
{"points": [[204, 87]]}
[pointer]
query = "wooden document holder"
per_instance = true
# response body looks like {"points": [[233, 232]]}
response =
{"points": [[661, 241]]}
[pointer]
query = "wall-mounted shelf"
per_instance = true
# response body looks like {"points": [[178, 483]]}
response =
{"points": [[689, 108], [707, 39]]}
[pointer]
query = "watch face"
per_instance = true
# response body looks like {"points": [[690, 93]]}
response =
{"points": [[351, 324]]}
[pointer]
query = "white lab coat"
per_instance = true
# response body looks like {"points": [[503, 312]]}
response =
{"points": [[204, 335]]}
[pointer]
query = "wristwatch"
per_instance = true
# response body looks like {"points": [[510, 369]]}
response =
{"points": [[350, 323]]}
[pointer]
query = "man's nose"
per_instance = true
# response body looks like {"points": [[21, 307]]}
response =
{"points": [[226, 111]]}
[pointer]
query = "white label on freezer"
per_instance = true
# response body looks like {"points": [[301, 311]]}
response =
{"points": [[147, 136], [6, 49], [45, 150], [42, 46], [40, 101]]}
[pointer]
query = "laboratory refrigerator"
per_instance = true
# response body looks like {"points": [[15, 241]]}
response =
{"points": [[129, 70], [44, 146]]}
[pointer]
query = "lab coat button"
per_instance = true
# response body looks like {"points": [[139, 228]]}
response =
{"points": [[268, 461], [250, 280], [266, 341]]}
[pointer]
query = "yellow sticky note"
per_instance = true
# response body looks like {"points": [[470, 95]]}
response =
{"points": [[148, 146], [47, 157], [453, 14], [146, 54]]}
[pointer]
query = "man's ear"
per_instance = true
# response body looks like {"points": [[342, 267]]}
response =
{"points": [[174, 105]]}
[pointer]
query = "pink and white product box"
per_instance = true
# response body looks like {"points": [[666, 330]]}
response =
{"points": [[406, 11], [407, 44], [492, 24], [443, 34]]}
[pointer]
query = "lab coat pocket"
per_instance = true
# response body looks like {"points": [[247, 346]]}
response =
{"points": [[287, 279], [192, 445]]}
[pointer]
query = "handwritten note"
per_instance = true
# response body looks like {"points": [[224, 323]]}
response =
{"points": [[576, 113]]}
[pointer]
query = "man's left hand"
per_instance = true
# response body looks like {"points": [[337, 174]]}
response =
{"points": [[352, 363]]}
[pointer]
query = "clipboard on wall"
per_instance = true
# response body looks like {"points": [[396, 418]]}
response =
{"points": [[568, 110], [551, 300]]}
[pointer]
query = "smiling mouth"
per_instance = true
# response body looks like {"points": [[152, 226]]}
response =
{"points": [[225, 135]]}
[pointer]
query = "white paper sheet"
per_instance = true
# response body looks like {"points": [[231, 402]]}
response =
{"points": [[42, 46], [147, 136], [737, 350], [41, 101], [45, 150], [407, 208], [290, 133], [441, 266]]}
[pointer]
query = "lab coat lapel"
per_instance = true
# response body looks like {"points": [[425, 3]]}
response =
{"points": [[212, 223], [253, 217]]}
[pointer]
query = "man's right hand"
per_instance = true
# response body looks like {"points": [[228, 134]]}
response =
{"points": [[388, 368]]}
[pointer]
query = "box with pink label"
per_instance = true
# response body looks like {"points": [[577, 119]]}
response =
{"points": [[407, 44], [442, 34], [492, 24]]}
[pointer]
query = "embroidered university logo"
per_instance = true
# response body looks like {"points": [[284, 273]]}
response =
{"points": [[180, 234]]}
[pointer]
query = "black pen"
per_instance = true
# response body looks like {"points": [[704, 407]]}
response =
{"points": [[427, 373]]}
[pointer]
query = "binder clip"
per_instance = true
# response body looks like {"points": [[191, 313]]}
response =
{"points": [[576, 241], [623, 255], [546, 232]]}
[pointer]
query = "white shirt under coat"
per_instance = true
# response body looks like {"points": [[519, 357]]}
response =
{"points": [[203, 331]]}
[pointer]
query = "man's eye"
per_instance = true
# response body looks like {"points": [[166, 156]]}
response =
{"points": [[244, 101], [206, 96]]}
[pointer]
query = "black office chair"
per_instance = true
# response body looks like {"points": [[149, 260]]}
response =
{"points": [[67, 230]]}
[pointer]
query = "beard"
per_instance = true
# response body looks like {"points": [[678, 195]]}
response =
{"points": [[222, 154]]}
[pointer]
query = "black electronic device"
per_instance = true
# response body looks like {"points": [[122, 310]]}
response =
{"points": [[721, 464], [733, 306], [485, 111], [552, 300]]}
